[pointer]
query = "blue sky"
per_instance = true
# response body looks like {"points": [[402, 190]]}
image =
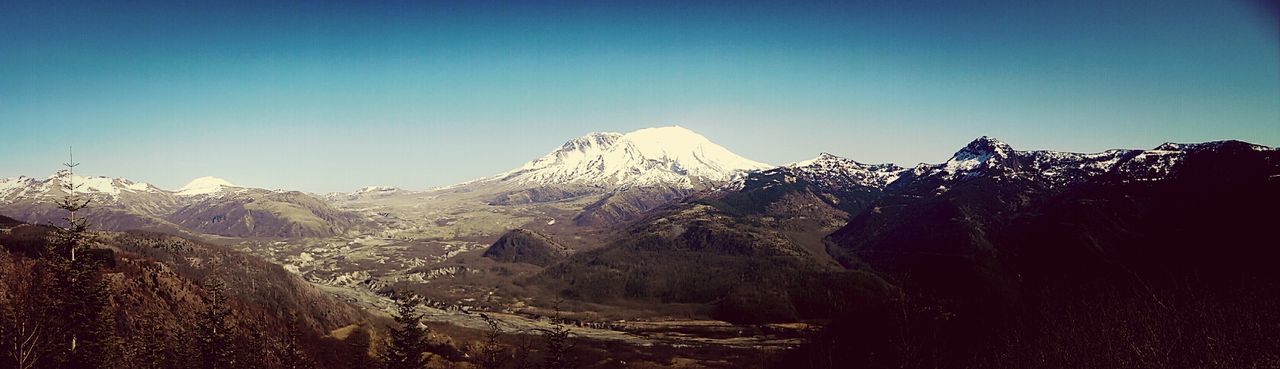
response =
{"points": [[328, 96]]}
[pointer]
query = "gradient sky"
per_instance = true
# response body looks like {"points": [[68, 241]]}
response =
{"points": [[330, 96]]}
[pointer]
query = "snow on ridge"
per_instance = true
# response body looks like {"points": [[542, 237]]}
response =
{"points": [[369, 189], [840, 171], [983, 152], [25, 187], [988, 156], [821, 158]]}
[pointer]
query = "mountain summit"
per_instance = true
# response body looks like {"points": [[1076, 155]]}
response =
{"points": [[665, 156], [203, 186], [983, 152]]}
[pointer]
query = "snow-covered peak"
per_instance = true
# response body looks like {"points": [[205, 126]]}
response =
{"points": [[989, 158], [983, 152], [204, 186], [671, 156], [373, 189], [363, 193], [23, 187], [591, 141], [836, 171], [823, 159]]}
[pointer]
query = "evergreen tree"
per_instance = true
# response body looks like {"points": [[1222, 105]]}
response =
{"points": [[408, 341], [557, 354], [358, 350], [213, 334], [86, 338]]}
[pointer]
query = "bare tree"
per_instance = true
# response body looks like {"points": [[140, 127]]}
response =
{"points": [[491, 351], [20, 308]]}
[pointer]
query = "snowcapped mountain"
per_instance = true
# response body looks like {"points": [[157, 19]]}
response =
{"points": [[834, 171], [364, 193], [827, 171], [820, 192], [665, 156], [114, 203], [98, 189], [986, 157], [206, 205], [205, 186]]}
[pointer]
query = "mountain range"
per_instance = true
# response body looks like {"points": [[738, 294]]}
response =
{"points": [[206, 205], [992, 253], [596, 181]]}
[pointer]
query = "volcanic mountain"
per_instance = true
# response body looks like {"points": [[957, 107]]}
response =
{"points": [[580, 189], [665, 156], [973, 232]]}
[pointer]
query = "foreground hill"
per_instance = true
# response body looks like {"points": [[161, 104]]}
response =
{"points": [[161, 284]]}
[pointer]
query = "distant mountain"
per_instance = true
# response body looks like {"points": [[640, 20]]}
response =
{"points": [[834, 172], [264, 213], [666, 156], [100, 190], [990, 158], [364, 193], [1068, 256], [826, 189], [206, 186], [600, 180], [116, 203], [206, 205], [960, 208], [942, 229]]}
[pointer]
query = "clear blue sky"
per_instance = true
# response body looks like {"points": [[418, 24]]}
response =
{"points": [[327, 96]]}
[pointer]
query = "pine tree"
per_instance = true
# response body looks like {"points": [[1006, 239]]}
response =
{"points": [[408, 341], [557, 344], [213, 334], [358, 350], [556, 355], [87, 337]]}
